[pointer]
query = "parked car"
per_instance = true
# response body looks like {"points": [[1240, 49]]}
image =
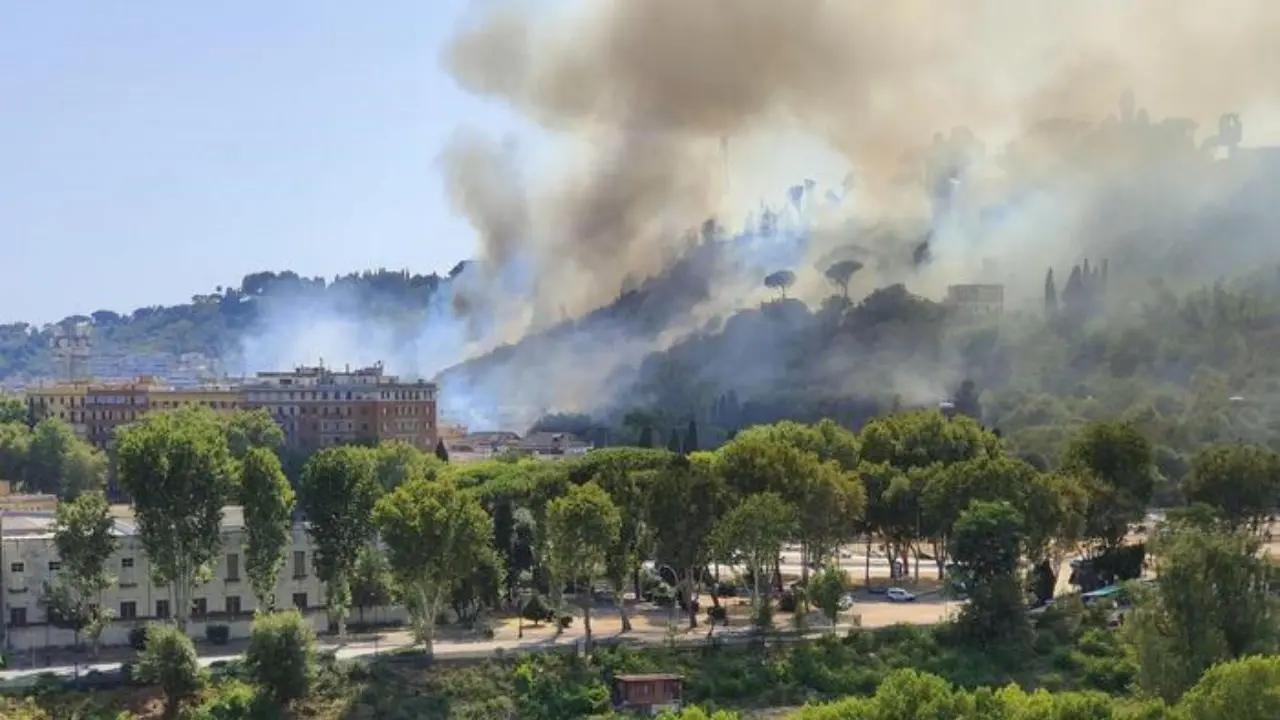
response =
{"points": [[899, 595], [846, 601]]}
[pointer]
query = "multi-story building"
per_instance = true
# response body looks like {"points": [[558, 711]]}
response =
{"points": [[320, 407], [64, 401], [974, 302], [108, 406], [29, 564], [219, 398]]}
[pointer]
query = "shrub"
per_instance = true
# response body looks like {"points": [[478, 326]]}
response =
{"points": [[217, 634], [169, 661], [565, 621], [787, 603], [138, 638], [281, 655], [535, 610], [717, 614]]}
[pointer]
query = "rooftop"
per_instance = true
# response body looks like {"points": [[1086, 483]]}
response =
{"points": [[40, 523]]}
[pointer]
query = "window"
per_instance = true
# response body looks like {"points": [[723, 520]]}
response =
{"points": [[199, 607], [128, 610], [17, 616], [54, 566], [299, 563], [17, 567], [162, 609], [233, 567], [300, 601], [233, 604], [126, 562]]}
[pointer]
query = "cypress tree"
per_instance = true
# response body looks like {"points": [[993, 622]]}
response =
{"points": [[646, 437], [691, 438], [1050, 295], [673, 442], [442, 452]]}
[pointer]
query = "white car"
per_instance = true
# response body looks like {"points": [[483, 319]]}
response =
{"points": [[846, 601], [899, 595]]}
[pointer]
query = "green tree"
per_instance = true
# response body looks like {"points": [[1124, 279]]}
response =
{"points": [[268, 502], [583, 526], [684, 503], [399, 462], [371, 583], [83, 538], [169, 661], [1243, 689], [1241, 482], [338, 493], [15, 444], [827, 589], [177, 468], [60, 463], [12, 410], [1212, 602], [986, 545], [436, 536], [1116, 462], [281, 655], [249, 429], [752, 534]]}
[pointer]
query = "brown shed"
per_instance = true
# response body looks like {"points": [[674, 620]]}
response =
{"points": [[648, 694]]}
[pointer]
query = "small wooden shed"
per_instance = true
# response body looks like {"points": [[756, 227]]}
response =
{"points": [[648, 694]]}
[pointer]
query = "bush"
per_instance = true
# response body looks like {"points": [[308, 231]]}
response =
{"points": [[218, 634], [717, 614], [565, 621], [138, 638], [787, 603], [281, 655], [169, 661], [234, 700]]}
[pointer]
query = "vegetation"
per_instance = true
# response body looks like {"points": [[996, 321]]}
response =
{"points": [[48, 458]]}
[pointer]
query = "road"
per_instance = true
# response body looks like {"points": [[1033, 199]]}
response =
{"points": [[650, 629]]}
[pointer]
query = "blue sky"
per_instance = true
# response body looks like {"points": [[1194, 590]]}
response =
{"points": [[151, 150]]}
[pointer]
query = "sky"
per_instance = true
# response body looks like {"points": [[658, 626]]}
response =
{"points": [[151, 150]]}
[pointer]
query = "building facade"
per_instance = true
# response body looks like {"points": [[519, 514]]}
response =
{"points": [[319, 407], [975, 302], [64, 401], [29, 564]]}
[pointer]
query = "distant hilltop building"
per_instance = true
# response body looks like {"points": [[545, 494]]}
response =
{"points": [[975, 302]]}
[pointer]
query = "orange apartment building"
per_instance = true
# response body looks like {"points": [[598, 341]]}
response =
{"points": [[320, 407]]}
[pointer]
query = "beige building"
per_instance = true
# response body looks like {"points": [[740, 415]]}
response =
{"points": [[29, 562], [64, 401], [974, 302]]}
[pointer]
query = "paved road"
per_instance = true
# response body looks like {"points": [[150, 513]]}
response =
{"points": [[448, 649]]}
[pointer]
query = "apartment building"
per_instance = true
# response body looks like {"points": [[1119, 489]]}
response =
{"points": [[64, 401], [29, 563], [320, 407], [974, 302]]}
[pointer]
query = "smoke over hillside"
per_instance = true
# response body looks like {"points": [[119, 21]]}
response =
{"points": [[642, 96]]}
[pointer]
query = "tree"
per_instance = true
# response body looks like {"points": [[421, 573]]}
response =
{"points": [[399, 462], [338, 494], [84, 541], [1211, 603], [684, 503], [12, 410], [371, 583], [436, 536], [841, 273], [986, 545], [1241, 482], [442, 452], [691, 438], [177, 468], [582, 527], [827, 589], [15, 444], [753, 533], [1115, 460], [780, 281], [281, 655], [59, 463], [249, 429], [267, 501], [1243, 689], [169, 661]]}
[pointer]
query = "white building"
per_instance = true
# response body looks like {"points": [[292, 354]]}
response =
{"points": [[29, 561]]}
